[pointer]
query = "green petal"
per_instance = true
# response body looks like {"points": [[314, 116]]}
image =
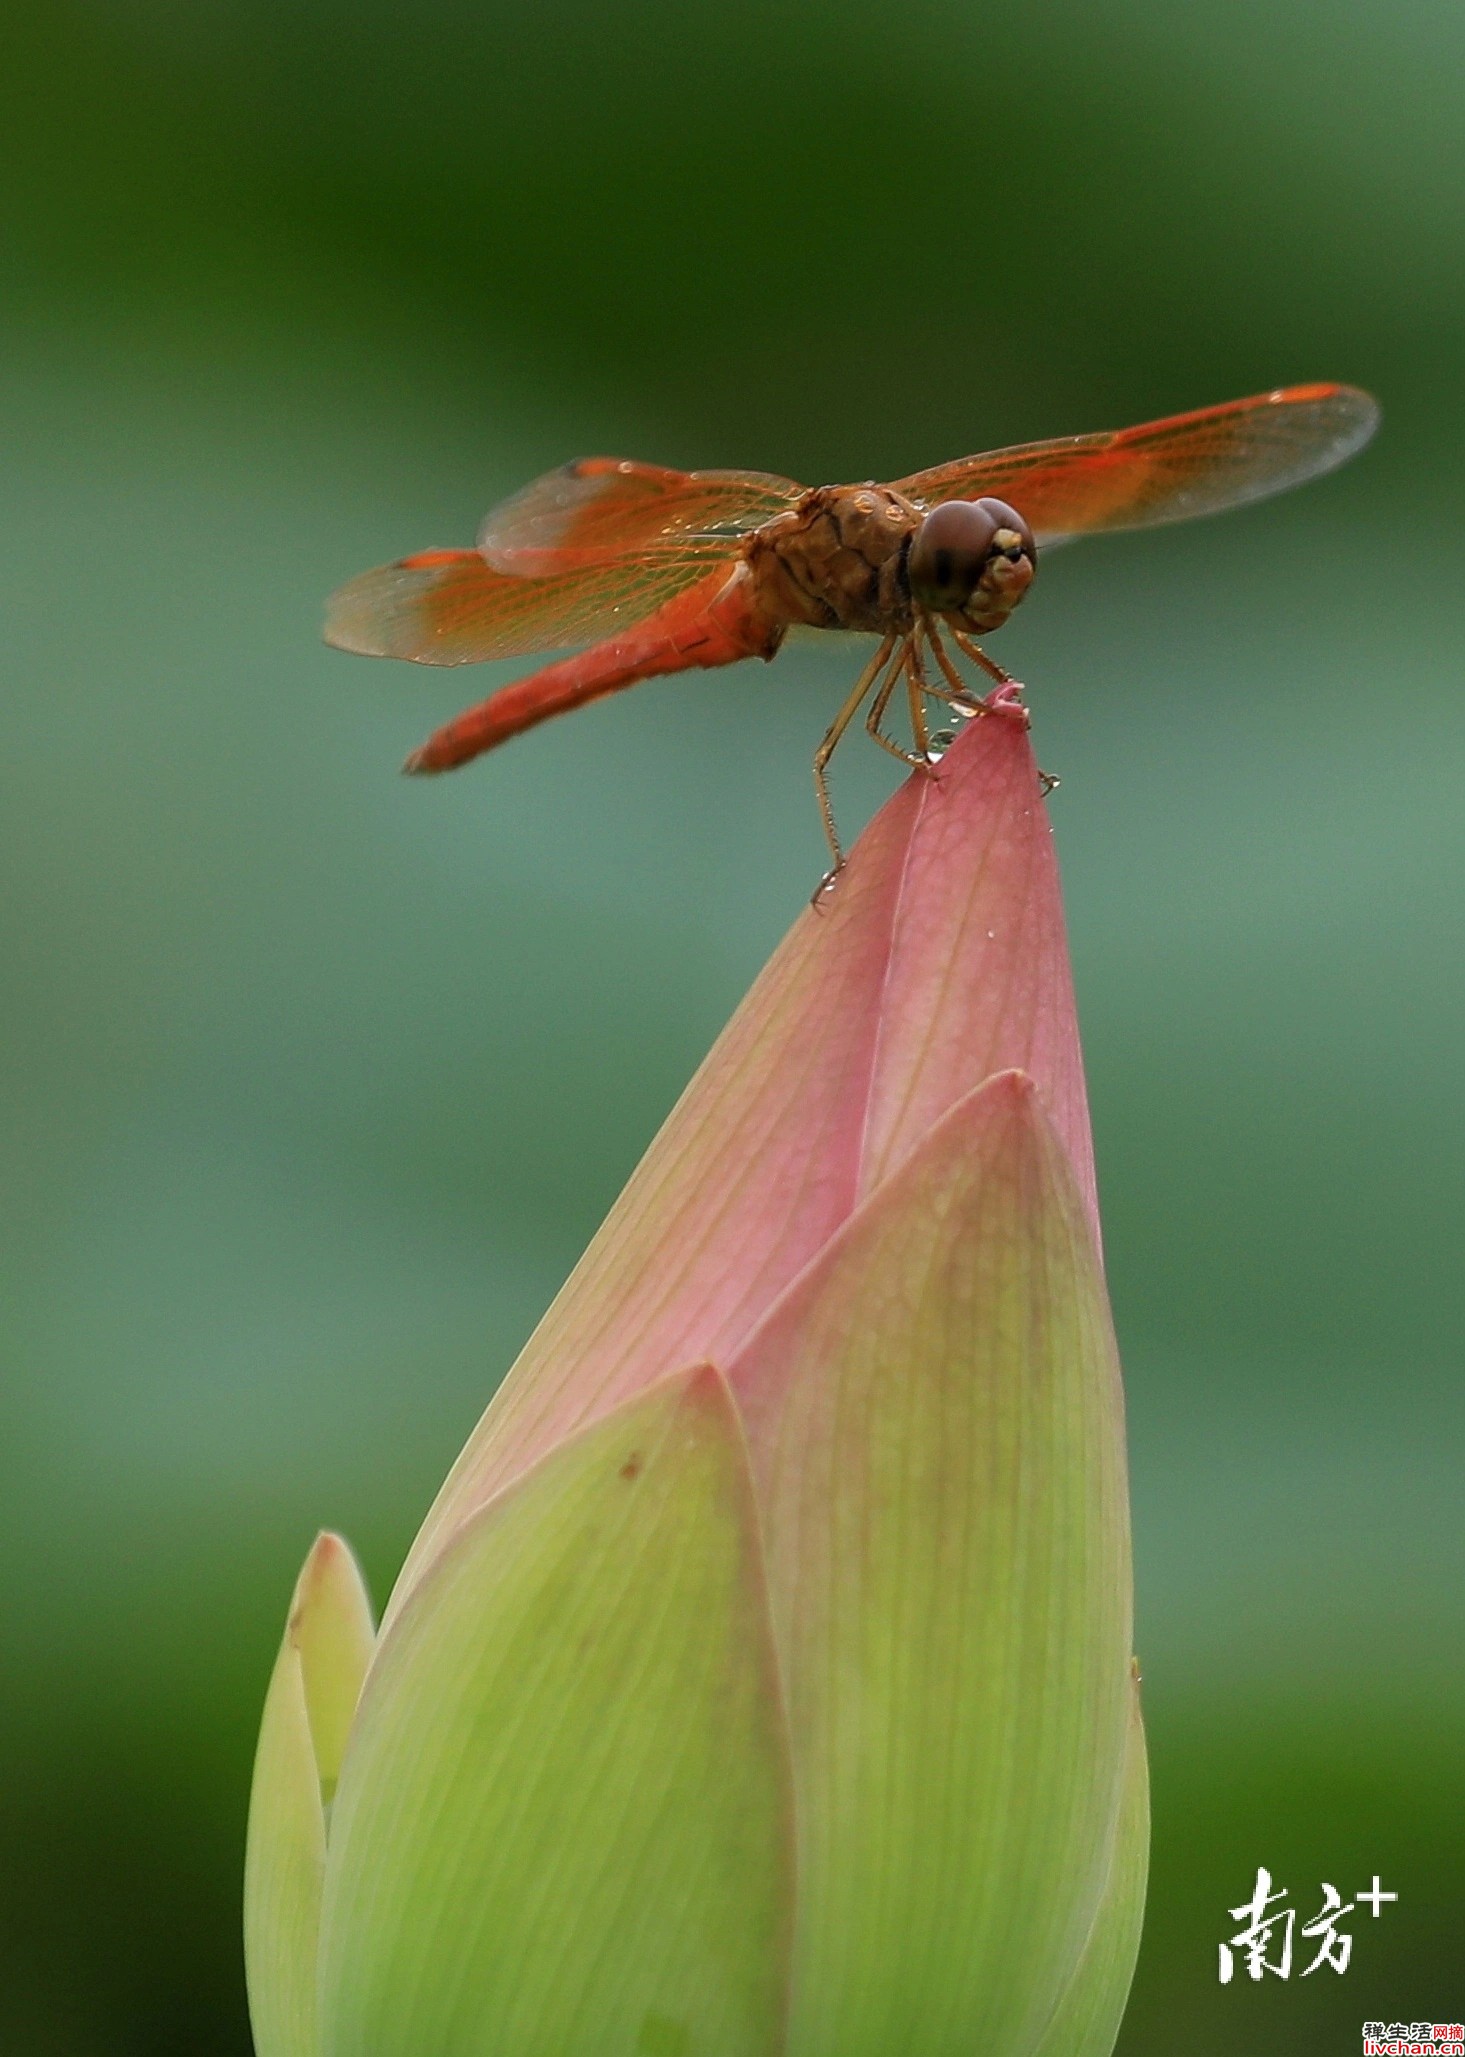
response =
{"points": [[1088, 2017], [563, 1824], [935, 1423], [307, 1716]]}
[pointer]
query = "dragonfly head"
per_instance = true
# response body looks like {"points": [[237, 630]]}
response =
{"points": [[973, 559]]}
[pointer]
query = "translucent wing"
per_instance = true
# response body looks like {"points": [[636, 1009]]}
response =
{"points": [[452, 607], [601, 508], [1166, 470], [578, 555]]}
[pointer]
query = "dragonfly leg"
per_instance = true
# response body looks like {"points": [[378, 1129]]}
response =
{"points": [[1006, 699], [959, 696], [881, 701], [915, 681], [918, 685], [955, 694], [978, 655], [826, 750]]}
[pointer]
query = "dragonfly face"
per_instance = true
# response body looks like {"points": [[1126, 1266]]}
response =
{"points": [[974, 559]]}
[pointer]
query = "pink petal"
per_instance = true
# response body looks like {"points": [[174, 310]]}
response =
{"points": [[938, 959], [977, 977]]}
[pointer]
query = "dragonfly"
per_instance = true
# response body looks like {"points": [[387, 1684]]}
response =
{"points": [[660, 571]]}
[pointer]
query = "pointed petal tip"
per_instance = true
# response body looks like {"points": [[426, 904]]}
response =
{"points": [[705, 1390], [330, 1577], [328, 1556], [1009, 1097], [1002, 731], [330, 1631], [697, 1397], [1012, 1086]]}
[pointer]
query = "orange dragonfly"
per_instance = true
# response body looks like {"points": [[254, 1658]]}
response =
{"points": [[664, 571]]}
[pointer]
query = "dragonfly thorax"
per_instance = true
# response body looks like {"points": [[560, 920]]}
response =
{"points": [[837, 560]]}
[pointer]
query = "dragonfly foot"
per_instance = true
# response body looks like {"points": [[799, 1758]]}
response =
{"points": [[826, 885], [1049, 781]]}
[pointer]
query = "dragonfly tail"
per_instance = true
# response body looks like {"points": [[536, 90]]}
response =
{"points": [[712, 623]]}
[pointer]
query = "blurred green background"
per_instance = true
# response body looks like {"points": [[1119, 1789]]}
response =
{"points": [[316, 1080]]}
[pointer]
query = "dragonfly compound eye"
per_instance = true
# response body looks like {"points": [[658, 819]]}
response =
{"points": [[1011, 561], [950, 552]]}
